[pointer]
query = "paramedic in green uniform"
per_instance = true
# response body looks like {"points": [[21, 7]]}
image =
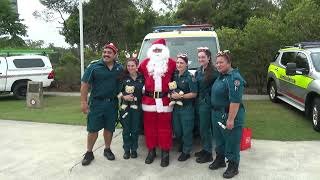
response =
{"points": [[102, 78], [205, 77], [227, 109], [183, 116], [130, 117]]}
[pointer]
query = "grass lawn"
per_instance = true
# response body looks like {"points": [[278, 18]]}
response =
{"points": [[267, 120], [59, 109]]}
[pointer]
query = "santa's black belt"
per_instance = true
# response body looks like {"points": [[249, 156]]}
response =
{"points": [[156, 94]]}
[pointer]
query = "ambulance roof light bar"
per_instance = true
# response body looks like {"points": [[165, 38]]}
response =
{"points": [[13, 52], [302, 45], [183, 27]]}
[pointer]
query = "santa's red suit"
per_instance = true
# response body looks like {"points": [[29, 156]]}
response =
{"points": [[158, 70]]}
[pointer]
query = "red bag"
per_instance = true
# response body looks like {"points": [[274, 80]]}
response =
{"points": [[245, 139]]}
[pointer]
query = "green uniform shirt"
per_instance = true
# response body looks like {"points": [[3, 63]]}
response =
{"points": [[104, 82], [186, 83], [204, 89], [228, 88], [138, 85]]}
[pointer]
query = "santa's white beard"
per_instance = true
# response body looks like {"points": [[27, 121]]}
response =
{"points": [[157, 65]]}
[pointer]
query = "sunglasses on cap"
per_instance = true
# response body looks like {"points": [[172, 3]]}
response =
{"points": [[222, 53], [202, 49], [182, 55]]}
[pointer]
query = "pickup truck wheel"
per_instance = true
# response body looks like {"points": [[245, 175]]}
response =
{"points": [[272, 91], [316, 114], [20, 90]]}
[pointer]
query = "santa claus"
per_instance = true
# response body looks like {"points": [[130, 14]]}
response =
{"points": [[157, 69]]}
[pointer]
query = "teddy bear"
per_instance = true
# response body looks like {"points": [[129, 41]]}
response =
{"points": [[124, 104], [172, 89]]}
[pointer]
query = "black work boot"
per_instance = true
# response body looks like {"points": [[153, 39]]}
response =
{"points": [[199, 153], [134, 154], [206, 157], [183, 157], [88, 157], [164, 158], [219, 162], [126, 155], [151, 155], [108, 154], [232, 170]]}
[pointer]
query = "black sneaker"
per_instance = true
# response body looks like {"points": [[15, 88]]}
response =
{"points": [[108, 154], [206, 157], [126, 155], [88, 157], [200, 153], [134, 154], [183, 157]]}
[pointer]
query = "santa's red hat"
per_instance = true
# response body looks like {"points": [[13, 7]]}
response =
{"points": [[112, 47], [159, 41]]}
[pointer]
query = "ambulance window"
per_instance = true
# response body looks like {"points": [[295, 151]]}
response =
{"points": [[315, 56], [288, 57], [302, 61]]}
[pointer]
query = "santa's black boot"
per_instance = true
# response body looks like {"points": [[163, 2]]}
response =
{"points": [[164, 158]]}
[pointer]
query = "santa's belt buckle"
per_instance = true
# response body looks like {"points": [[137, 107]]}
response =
{"points": [[156, 94]]}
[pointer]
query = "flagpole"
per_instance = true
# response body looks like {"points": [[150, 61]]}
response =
{"points": [[81, 37]]}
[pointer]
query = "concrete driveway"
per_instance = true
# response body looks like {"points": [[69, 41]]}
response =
{"points": [[51, 151]]}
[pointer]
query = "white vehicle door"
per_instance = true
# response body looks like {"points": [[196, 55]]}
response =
{"points": [[3, 73]]}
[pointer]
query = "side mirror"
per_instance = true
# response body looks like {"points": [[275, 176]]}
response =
{"points": [[291, 69]]}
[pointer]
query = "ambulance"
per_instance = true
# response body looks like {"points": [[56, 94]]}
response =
{"points": [[183, 39]]}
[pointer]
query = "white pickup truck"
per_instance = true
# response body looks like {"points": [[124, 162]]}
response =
{"points": [[16, 71]]}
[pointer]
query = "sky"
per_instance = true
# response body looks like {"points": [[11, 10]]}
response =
{"points": [[38, 29]]}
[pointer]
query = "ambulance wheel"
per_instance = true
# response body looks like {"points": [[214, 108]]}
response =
{"points": [[272, 92], [316, 114], [20, 90]]}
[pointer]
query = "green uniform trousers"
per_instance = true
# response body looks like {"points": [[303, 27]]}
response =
{"points": [[204, 112], [131, 128], [183, 122], [228, 141]]}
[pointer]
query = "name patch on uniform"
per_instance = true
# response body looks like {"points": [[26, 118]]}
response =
{"points": [[236, 84]]}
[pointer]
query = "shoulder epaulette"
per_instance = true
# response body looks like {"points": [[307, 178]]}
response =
{"points": [[92, 62]]}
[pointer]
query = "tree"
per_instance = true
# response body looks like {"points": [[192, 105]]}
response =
{"points": [[230, 39], [227, 13], [10, 25], [303, 22], [61, 7], [118, 21], [261, 40]]}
